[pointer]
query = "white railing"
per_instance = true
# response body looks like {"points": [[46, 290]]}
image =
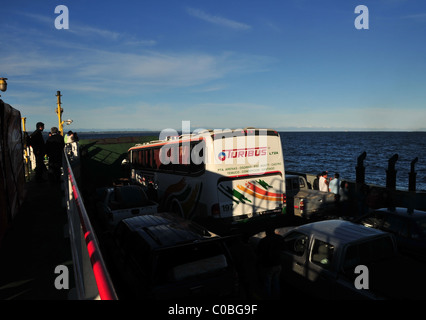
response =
{"points": [[92, 280]]}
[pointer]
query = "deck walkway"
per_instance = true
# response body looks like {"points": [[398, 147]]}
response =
{"points": [[34, 245]]}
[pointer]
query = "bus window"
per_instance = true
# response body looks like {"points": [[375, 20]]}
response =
{"points": [[147, 158], [197, 157], [139, 158], [184, 156], [156, 158], [136, 159], [153, 162], [133, 156], [163, 156]]}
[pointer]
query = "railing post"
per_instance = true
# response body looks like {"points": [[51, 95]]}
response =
{"points": [[412, 176], [360, 169], [391, 173]]}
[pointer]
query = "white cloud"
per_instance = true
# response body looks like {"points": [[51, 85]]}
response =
{"points": [[86, 69], [83, 30], [145, 43], [224, 22], [38, 59], [416, 17]]}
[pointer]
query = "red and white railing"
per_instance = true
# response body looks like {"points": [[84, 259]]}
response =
{"points": [[92, 279]]}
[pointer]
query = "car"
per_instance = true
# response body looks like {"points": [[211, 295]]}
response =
{"points": [[163, 256], [409, 228], [120, 202], [318, 258], [339, 259]]}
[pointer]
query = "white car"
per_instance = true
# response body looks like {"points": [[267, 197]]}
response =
{"points": [[121, 202]]}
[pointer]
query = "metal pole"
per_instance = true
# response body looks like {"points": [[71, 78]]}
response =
{"points": [[360, 169], [59, 111], [391, 173], [412, 176]]}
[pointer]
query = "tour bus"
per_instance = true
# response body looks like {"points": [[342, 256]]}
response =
{"points": [[234, 175]]}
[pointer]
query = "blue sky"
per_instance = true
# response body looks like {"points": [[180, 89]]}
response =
{"points": [[287, 65]]}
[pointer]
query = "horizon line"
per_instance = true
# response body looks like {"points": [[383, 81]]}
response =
{"points": [[276, 129]]}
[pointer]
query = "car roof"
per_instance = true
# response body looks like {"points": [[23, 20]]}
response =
{"points": [[398, 211], [291, 176], [339, 232], [165, 230]]}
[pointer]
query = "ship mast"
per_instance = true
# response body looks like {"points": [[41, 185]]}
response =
{"points": [[59, 112]]}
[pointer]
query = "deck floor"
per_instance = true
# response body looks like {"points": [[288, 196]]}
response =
{"points": [[34, 245]]}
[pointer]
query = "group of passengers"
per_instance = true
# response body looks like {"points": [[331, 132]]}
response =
{"points": [[334, 185], [53, 148]]}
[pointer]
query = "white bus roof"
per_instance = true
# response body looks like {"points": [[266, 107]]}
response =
{"points": [[200, 134]]}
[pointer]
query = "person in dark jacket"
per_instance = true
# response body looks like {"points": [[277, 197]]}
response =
{"points": [[36, 141], [54, 149], [269, 255]]}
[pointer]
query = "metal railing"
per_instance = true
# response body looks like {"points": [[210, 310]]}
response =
{"points": [[92, 279]]}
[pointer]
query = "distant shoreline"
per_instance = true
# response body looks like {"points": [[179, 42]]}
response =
{"points": [[87, 131]]}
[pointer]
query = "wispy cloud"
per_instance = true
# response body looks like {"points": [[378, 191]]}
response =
{"points": [[90, 31], [88, 69], [144, 43], [82, 30], [416, 17], [221, 21]]}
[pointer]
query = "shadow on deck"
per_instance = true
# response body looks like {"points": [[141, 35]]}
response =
{"points": [[35, 244]]}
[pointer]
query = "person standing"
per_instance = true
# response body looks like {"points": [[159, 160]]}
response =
{"points": [[69, 137], [36, 141], [334, 186], [323, 182], [269, 255], [55, 148]]}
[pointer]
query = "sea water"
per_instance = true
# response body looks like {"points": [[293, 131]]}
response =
{"points": [[313, 152]]}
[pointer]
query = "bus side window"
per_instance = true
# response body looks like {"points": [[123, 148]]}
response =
{"points": [[147, 163], [151, 155], [142, 158], [185, 155], [164, 156], [183, 163], [197, 157], [133, 154], [139, 159], [156, 158]]}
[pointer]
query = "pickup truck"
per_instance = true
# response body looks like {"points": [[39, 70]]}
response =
{"points": [[162, 256], [338, 259], [304, 201]]}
